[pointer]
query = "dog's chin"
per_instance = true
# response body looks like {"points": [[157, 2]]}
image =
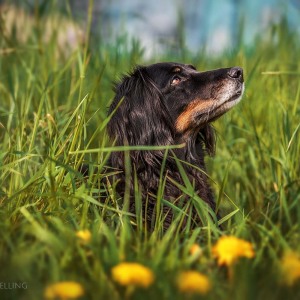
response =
{"points": [[223, 105], [231, 102]]}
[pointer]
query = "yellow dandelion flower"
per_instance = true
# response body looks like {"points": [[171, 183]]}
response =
{"points": [[196, 250], [193, 282], [229, 248], [64, 290], [132, 274], [84, 235], [290, 267]]}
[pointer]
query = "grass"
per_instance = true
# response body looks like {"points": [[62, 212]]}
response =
{"points": [[53, 116]]}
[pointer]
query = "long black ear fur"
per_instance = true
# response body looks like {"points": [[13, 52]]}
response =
{"points": [[141, 118]]}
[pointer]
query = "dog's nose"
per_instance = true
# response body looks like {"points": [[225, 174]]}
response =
{"points": [[236, 73]]}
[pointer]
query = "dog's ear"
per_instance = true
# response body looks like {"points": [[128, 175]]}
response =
{"points": [[139, 116], [207, 136]]}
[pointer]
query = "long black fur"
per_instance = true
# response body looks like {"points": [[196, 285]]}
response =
{"points": [[142, 115]]}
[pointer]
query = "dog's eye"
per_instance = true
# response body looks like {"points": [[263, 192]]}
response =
{"points": [[175, 80]]}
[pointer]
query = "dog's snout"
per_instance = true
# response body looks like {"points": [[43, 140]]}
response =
{"points": [[236, 73]]}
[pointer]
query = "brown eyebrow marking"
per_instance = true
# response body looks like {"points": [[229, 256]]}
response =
{"points": [[176, 70], [186, 117]]}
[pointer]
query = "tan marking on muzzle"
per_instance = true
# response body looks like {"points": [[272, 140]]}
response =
{"points": [[185, 119]]}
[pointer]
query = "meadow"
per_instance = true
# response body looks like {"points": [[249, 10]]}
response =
{"points": [[53, 114]]}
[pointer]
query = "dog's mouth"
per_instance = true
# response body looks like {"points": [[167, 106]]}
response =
{"points": [[237, 94], [201, 112], [233, 99], [222, 104]]}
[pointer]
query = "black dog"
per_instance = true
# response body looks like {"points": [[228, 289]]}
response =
{"points": [[169, 104]]}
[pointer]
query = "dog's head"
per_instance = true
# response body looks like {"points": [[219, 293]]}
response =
{"points": [[196, 98], [167, 102]]}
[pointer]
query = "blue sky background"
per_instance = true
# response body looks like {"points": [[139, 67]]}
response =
{"points": [[212, 24]]}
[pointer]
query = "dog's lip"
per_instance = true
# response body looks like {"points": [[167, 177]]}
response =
{"points": [[238, 93], [220, 108], [235, 96]]}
